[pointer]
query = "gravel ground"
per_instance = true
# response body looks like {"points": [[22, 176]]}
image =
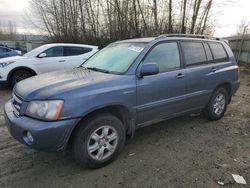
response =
{"points": [[182, 152]]}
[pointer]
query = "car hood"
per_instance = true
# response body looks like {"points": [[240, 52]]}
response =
{"points": [[51, 85], [13, 58]]}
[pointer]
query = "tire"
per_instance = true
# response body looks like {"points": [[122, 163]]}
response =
{"points": [[89, 141], [18, 76], [217, 105]]}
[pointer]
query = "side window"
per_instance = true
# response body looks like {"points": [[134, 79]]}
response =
{"points": [[72, 50], [166, 55], [54, 51], [218, 51], [1, 49], [208, 52], [194, 53]]}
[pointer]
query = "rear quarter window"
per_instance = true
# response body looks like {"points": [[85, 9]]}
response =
{"points": [[218, 51], [194, 53]]}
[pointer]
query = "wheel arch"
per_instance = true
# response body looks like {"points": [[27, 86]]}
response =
{"points": [[21, 68], [119, 111], [227, 86]]}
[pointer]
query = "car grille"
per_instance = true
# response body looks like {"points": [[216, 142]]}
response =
{"points": [[16, 102]]}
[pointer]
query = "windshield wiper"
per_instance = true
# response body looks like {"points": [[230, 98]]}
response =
{"points": [[97, 69]]}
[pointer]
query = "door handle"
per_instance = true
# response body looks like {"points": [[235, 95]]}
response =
{"points": [[180, 75], [213, 69], [62, 61]]}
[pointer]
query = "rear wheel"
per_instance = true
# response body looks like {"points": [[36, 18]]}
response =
{"points": [[217, 105], [18, 76], [99, 141]]}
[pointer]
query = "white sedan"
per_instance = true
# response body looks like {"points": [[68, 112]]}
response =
{"points": [[46, 58]]}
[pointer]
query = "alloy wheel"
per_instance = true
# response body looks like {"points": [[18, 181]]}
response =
{"points": [[219, 104], [102, 143]]}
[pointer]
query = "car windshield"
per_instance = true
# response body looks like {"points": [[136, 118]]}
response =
{"points": [[115, 58], [36, 51]]}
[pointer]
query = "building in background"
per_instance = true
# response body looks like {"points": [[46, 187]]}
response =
{"points": [[25, 43], [240, 46]]}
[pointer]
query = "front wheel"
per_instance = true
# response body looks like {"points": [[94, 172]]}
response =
{"points": [[18, 76], [217, 105], [99, 140]]}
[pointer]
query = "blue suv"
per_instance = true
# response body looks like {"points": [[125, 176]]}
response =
{"points": [[7, 52], [127, 85]]}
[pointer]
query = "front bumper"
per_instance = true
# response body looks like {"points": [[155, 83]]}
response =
{"points": [[48, 136]]}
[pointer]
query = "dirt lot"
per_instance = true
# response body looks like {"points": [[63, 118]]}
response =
{"points": [[183, 152]]}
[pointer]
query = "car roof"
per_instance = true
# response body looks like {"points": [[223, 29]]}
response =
{"points": [[174, 37], [70, 44], [143, 40], [189, 38]]}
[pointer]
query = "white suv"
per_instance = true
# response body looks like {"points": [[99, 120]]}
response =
{"points": [[46, 58]]}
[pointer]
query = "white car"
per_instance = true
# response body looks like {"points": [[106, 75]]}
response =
{"points": [[46, 58]]}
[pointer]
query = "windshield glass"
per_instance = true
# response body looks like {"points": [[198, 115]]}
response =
{"points": [[35, 51], [115, 58]]}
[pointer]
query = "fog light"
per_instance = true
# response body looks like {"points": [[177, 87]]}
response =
{"points": [[30, 137]]}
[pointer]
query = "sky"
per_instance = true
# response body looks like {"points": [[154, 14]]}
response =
{"points": [[228, 14]]}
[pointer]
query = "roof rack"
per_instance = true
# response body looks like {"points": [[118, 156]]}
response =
{"points": [[188, 36]]}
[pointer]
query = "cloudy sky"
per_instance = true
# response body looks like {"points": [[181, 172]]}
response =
{"points": [[13, 10], [228, 15]]}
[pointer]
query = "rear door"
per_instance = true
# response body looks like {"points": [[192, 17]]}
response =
{"points": [[75, 55], [222, 66], [201, 71], [161, 95]]}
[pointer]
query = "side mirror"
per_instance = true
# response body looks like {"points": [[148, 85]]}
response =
{"points": [[148, 69], [42, 55]]}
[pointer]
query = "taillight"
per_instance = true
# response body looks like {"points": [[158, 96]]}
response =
{"points": [[238, 72]]}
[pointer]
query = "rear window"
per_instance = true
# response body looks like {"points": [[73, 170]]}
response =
{"points": [[218, 51], [194, 53], [73, 50]]}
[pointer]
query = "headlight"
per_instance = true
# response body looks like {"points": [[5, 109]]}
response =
{"points": [[5, 64], [45, 110]]}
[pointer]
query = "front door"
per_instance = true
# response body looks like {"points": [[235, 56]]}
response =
{"points": [[53, 61], [162, 95]]}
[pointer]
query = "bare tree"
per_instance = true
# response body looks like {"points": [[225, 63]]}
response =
{"points": [[196, 10], [8, 31], [103, 21], [183, 22], [155, 16], [170, 8]]}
